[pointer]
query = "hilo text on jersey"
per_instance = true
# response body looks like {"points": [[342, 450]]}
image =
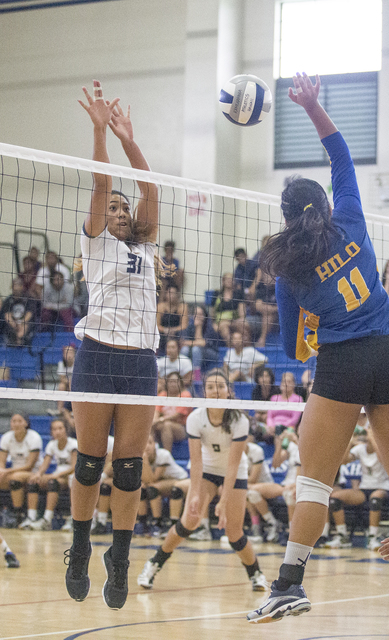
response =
{"points": [[332, 265]]}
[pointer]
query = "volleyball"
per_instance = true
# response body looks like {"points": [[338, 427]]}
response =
{"points": [[245, 100]]}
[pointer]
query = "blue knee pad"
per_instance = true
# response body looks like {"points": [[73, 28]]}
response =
{"points": [[152, 493], [176, 493], [182, 531], [53, 485], [88, 469], [375, 504], [240, 544], [335, 505], [127, 473], [14, 485]]}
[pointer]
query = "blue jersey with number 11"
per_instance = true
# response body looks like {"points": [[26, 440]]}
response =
{"points": [[346, 299]]}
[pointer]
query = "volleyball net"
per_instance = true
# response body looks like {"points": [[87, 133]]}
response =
{"points": [[44, 199]]}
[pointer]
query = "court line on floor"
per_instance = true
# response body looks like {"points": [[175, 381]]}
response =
{"points": [[207, 617]]}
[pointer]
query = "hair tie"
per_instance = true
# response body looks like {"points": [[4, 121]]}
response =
{"points": [[308, 205]]}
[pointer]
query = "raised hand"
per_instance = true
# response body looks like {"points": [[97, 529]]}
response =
{"points": [[306, 93], [99, 110], [121, 124]]}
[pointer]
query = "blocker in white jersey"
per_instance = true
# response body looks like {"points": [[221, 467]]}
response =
{"points": [[62, 457], [217, 440], [117, 354], [18, 451]]}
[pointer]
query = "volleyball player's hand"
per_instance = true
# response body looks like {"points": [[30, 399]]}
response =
{"points": [[121, 124], [220, 512], [384, 549], [99, 110], [306, 93]]}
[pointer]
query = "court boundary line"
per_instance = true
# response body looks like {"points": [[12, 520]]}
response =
{"points": [[186, 619]]}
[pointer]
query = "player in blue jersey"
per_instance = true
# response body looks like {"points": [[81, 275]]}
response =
{"points": [[327, 281]]}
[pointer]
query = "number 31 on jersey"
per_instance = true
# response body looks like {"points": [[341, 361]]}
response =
{"points": [[134, 263]]}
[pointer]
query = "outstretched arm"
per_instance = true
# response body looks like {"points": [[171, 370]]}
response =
{"points": [[100, 113], [307, 96], [147, 210]]}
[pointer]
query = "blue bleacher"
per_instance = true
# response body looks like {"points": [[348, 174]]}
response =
{"points": [[52, 345], [22, 364], [41, 424]]}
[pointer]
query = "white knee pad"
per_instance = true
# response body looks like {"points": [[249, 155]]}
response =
{"points": [[254, 496], [311, 490]]}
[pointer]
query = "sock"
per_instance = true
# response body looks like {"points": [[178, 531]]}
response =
{"points": [[174, 520], [102, 517], [17, 510], [160, 557], [4, 547], [373, 531], [81, 534], [254, 519], [268, 517], [205, 523], [251, 568], [292, 570], [48, 515], [326, 530], [121, 544], [31, 513], [341, 529]]}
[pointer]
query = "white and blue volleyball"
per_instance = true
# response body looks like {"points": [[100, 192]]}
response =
{"points": [[245, 100]]}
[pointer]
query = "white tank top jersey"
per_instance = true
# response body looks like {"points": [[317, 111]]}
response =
{"points": [[122, 292], [374, 475], [256, 455], [18, 452], [215, 442], [62, 457], [171, 469], [293, 463]]}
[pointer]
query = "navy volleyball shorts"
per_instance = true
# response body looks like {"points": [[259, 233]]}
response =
{"points": [[354, 371], [218, 481], [99, 368]]}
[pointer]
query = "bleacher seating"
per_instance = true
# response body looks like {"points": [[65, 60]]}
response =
{"points": [[52, 344]]}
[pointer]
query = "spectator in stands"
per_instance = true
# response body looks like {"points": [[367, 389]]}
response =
{"points": [[172, 317], [81, 295], [306, 383], [160, 473], [229, 306], [240, 361], [18, 313], [258, 428], [57, 303], [33, 254], [172, 274], [373, 489], [9, 557], [28, 277], [53, 264], [385, 277], [264, 314], [173, 361], [22, 446], [285, 417], [265, 386], [244, 273], [169, 422], [62, 451], [256, 256], [201, 342]]}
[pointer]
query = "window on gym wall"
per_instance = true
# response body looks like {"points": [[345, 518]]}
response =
{"points": [[342, 41]]}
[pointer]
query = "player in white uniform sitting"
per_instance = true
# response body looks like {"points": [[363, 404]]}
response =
{"points": [[22, 446], [160, 474], [373, 488], [61, 450], [217, 440], [286, 448]]}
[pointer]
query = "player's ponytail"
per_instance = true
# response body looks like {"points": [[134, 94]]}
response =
{"points": [[305, 242]]}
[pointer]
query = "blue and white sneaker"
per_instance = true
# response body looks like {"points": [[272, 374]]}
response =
{"points": [[292, 602]]}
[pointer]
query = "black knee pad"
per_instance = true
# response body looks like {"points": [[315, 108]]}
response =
{"points": [[127, 473], [152, 493], [53, 485], [335, 504], [33, 488], [143, 494], [14, 485], [375, 504], [105, 489], [239, 544], [88, 469], [182, 531], [176, 493]]}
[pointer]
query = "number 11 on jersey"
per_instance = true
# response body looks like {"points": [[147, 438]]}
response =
{"points": [[356, 278]]}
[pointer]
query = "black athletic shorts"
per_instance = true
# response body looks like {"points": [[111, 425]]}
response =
{"points": [[99, 368], [354, 371], [218, 481]]}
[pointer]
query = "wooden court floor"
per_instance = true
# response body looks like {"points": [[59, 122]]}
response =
{"points": [[201, 594]]}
